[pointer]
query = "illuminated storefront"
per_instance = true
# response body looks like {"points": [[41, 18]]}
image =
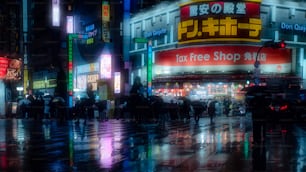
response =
{"points": [[203, 49], [10, 71]]}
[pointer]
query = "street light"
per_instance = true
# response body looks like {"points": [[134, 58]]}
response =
{"points": [[272, 44]]}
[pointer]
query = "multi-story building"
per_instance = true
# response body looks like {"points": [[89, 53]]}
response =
{"points": [[28, 33], [208, 48]]}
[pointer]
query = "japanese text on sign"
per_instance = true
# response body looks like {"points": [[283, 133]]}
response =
{"points": [[219, 21], [217, 8]]}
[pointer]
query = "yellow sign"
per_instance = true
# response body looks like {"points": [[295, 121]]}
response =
{"points": [[220, 21], [105, 11]]}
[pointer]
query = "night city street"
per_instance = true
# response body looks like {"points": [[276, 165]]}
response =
{"points": [[121, 145], [152, 85]]}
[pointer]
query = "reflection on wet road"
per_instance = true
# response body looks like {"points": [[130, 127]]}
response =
{"points": [[116, 145]]}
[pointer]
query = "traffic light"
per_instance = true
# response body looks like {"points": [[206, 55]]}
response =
{"points": [[280, 44], [272, 44]]}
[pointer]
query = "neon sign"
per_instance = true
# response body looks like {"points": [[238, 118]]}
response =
{"points": [[69, 24], [55, 13], [149, 69], [117, 82], [105, 66], [70, 68]]}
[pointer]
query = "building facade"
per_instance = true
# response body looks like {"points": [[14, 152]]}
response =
{"points": [[206, 48]]}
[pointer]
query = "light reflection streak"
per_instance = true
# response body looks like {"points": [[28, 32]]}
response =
{"points": [[301, 155], [71, 146], [106, 149], [3, 149], [46, 131]]}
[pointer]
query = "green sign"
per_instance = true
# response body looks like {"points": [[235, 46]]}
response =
{"points": [[140, 40]]}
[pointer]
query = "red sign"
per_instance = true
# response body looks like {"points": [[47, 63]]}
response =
{"points": [[10, 68], [4, 62], [225, 58]]}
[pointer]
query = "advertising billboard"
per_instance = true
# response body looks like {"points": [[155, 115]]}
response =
{"points": [[222, 59], [105, 66], [203, 21], [10, 69]]}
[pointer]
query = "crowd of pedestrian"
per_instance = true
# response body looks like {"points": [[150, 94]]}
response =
{"points": [[135, 107], [39, 106]]}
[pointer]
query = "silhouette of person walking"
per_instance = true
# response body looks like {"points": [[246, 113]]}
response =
{"points": [[136, 98]]}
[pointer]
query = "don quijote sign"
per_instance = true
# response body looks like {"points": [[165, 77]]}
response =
{"points": [[298, 28], [219, 21]]}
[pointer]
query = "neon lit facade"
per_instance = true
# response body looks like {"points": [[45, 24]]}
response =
{"points": [[216, 42]]}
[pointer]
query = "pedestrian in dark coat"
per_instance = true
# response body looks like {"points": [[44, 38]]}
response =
{"points": [[259, 105], [211, 110], [136, 98]]}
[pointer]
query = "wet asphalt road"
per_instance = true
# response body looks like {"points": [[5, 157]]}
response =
{"points": [[118, 145]]}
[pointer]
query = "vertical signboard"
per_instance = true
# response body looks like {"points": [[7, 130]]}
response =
{"points": [[55, 12], [105, 21], [69, 24], [117, 82], [3, 67], [70, 68], [149, 69], [105, 66]]}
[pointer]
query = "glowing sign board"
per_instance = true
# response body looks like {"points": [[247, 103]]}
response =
{"points": [[81, 81], [70, 68], [105, 11], [222, 59], [86, 68], [220, 21], [10, 69], [117, 82], [105, 66], [69, 24], [105, 21], [149, 69], [4, 62], [55, 13]]}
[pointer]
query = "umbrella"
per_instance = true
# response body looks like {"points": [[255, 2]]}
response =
{"points": [[261, 90], [24, 101], [58, 99]]}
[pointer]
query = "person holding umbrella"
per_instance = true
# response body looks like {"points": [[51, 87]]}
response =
{"points": [[211, 110]]}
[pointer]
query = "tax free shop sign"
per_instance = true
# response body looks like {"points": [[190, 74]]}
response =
{"points": [[222, 59]]}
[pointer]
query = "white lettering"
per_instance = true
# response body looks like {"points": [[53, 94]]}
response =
{"points": [[181, 59], [199, 57], [193, 10], [220, 56], [300, 27], [286, 26]]}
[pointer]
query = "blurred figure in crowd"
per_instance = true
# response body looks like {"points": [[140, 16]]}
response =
{"points": [[211, 110], [258, 105], [136, 98]]}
